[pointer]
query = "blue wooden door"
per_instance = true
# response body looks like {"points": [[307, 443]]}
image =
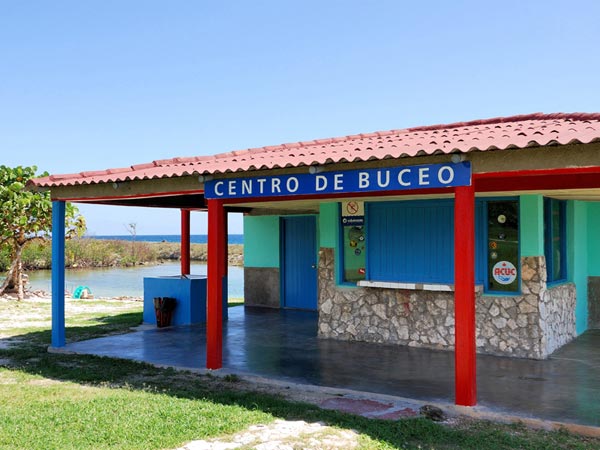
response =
{"points": [[299, 258]]}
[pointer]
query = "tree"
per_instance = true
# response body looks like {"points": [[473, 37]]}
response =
{"points": [[27, 216], [132, 230]]}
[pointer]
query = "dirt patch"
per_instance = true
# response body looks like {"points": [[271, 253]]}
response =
{"points": [[282, 434], [34, 311], [44, 382]]}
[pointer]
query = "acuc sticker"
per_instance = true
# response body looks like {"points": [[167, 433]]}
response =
{"points": [[504, 272]]}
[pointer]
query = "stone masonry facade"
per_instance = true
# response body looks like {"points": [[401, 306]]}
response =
{"points": [[531, 325]]}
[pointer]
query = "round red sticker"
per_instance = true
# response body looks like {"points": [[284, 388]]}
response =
{"points": [[504, 272]]}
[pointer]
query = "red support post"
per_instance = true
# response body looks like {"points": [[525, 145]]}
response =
{"points": [[217, 238], [465, 362], [185, 242]]}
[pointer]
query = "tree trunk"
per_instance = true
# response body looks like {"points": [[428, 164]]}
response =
{"points": [[14, 276], [6, 285]]}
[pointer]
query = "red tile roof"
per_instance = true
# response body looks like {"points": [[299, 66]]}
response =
{"points": [[532, 130]]}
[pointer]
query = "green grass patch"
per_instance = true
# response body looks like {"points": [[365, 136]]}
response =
{"points": [[38, 413], [235, 302]]}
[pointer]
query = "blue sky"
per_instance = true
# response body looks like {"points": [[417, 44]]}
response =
{"points": [[88, 85]]}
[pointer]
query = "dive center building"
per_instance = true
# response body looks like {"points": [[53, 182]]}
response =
{"points": [[469, 237]]}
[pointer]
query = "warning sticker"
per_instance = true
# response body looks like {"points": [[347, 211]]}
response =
{"points": [[353, 213]]}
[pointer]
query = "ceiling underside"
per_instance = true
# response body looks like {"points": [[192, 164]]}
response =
{"points": [[192, 201]]}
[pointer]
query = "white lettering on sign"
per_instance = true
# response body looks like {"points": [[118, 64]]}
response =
{"points": [[380, 182], [363, 180], [246, 187], [504, 272], [337, 182], [347, 181], [261, 182], [423, 176], [449, 177], [218, 185], [293, 181], [231, 185], [275, 186], [401, 180], [320, 183]]}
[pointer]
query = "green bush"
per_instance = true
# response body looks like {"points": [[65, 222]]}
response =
{"points": [[87, 252], [4, 260]]}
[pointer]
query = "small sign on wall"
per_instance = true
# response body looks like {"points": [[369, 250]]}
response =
{"points": [[354, 240], [353, 213]]}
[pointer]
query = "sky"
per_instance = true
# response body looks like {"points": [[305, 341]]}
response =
{"points": [[97, 84]]}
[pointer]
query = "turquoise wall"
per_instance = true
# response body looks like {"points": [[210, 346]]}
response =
{"points": [[328, 224], [577, 242], [532, 225], [581, 258], [594, 238], [261, 241]]}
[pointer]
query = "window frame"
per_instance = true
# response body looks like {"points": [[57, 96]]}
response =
{"points": [[484, 256], [481, 244], [549, 238]]}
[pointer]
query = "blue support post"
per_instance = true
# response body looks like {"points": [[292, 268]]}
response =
{"points": [[58, 274]]}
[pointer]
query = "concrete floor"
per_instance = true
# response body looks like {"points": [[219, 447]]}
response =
{"points": [[283, 345]]}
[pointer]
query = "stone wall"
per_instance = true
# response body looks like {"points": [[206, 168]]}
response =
{"points": [[531, 325], [557, 317], [261, 287]]}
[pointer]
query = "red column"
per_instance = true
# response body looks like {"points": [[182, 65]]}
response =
{"points": [[464, 296], [185, 242], [217, 238]]}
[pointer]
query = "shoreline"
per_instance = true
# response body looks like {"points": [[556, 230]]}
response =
{"points": [[85, 253]]}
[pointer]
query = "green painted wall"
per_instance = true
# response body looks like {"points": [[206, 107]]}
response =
{"points": [[577, 254], [261, 241], [583, 250], [328, 224], [532, 225], [594, 238]]}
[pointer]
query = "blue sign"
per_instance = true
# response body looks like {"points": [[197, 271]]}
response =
{"points": [[353, 221], [342, 182]]}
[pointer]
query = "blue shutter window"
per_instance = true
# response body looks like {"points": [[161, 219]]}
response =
{"points": [[411, 241]]}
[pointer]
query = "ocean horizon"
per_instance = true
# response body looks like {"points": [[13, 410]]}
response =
{"points": [[194, 238]]}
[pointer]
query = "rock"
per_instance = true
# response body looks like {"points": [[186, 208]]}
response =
{"points": [[494, 311], [527, 273], [432, 413], [499, 322], [526, 308]]}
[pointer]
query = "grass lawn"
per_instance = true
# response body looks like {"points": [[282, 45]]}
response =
{"points": [[77, 402]]}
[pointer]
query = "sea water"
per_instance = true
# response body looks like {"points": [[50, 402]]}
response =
{"points": [[128, 281]]}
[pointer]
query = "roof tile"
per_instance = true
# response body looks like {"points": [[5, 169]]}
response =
{"points": [[479, 135]]}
